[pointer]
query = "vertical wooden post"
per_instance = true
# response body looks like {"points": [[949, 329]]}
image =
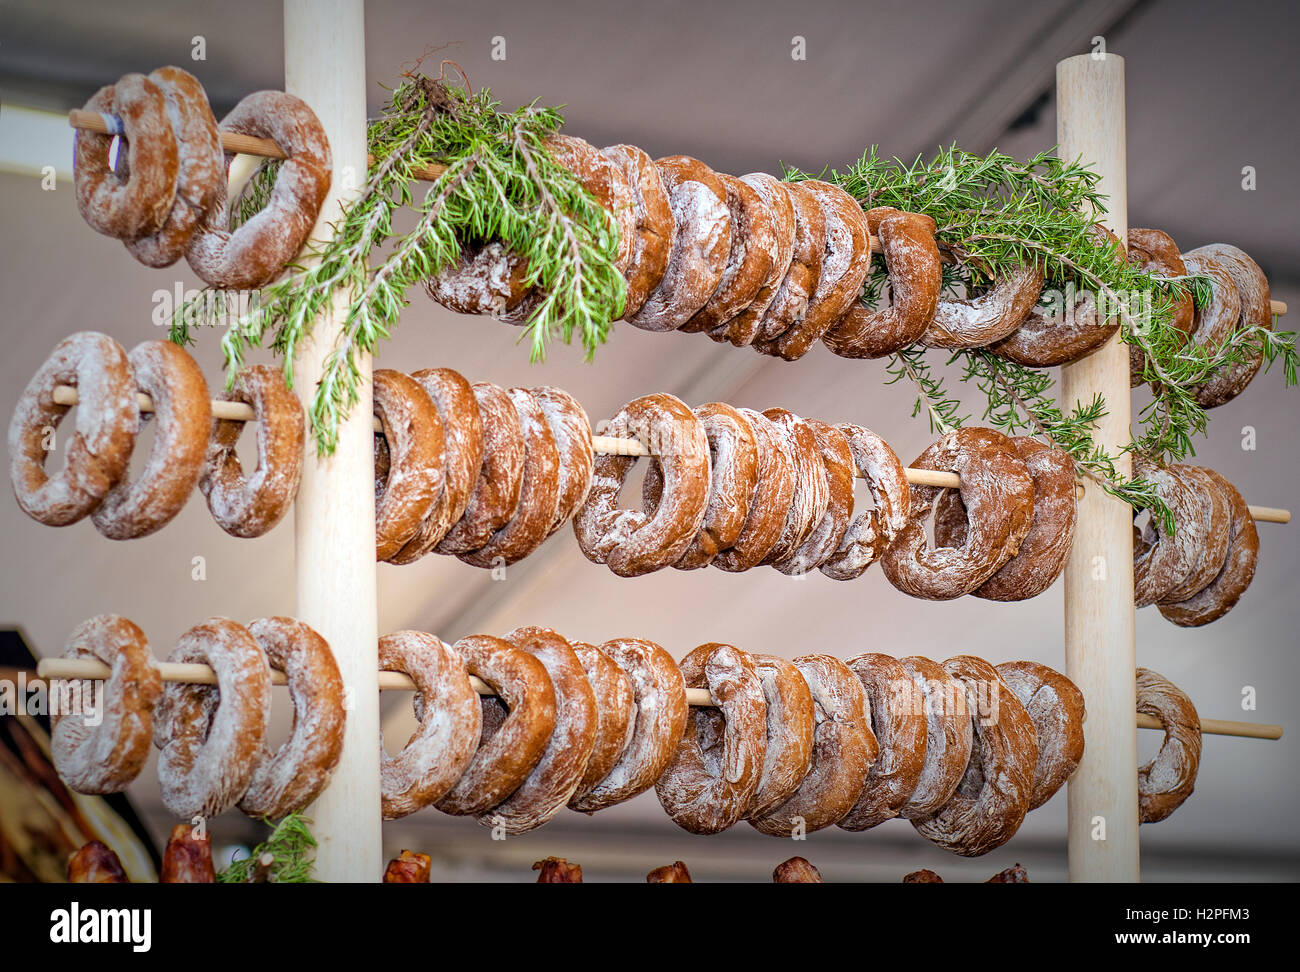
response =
{"points": [[325, 65], [1099, 651]]}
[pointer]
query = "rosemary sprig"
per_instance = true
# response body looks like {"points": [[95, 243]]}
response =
{"points": [[290, 845]]}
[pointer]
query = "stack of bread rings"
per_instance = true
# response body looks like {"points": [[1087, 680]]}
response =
{"points": [[166, 197], [212, 739]]}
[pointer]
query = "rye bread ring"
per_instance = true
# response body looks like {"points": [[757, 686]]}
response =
{"points": [[915, 279], [1156, 252], [790, 720], [1044, 550], [653, 240], [844, 748], [811, 490], [552, 782], [826, 536], [254, 254], [99, 743], [1214, 324], [441, 747], [530, 523], [660, 720], [743, 328], [572, 431], [134, 200], [1256, 310], [789, 305], [770, 501], [615, 712], [97, 452], [209, 736], [901, 730], [993, 797], [286, 780], [201, 172], [183, 411], [634, 542], [871, 531], [1212, 528], [1055, 705], [1168, 780], [462, 442], [1222, 593], [976, 321], [948, 736], [486, 279], [250, 506], [701, 245], [496, 490], [998, 493], [1162, 562], [719, 759]]}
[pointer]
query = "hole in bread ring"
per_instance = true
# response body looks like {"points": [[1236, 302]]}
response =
{"points": [[496, 491], [743, 328], [948, 738], [770, 502], [790, 720], [1168, 780], [616, 716], [413, 446], [1055, 706], [871, 531]]}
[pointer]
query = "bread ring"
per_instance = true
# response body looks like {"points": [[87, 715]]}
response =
{"points": [[487, 279], [134, 200], [440, 749], [1256, 310], [700, 249], [1055, 706], [993, 797], [660, 720], [789, 306], [201, 171], [752, 252], [770, 502], [530, 523], [871, 531], [998, 493], [791, 720], [743, 328], [719, 759], [253, 255], [797, 870], [1219, 596], [844, 748], [1162, 562], [1214, 323], [633, 542], [517, 724], [184, 414], [1168, 780], [973, 322], [297, 773], [653, 240], [496, 491], [209, 737], [97, 452], [1157, 253], [811, 490], [825, 539], [1212, 529], [915, 279], [101, 744], [572, 431], [1044, 550], [942, 700], [616, 716], [1049, 338], [557, 774], [901, 731]]}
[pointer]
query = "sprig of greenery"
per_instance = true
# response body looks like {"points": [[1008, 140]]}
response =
{"points": [[291, 846]]}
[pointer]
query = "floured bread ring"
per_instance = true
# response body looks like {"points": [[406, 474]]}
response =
{"points": [[1214, 323], [97, 453], [811, 490], [998, 493], [719, 759], [606, 180], [557, 774], [901, 730], [616, 716], [184, 414], [250, 506], [488, 279], [753, 250], [99, 737], [789, 305], [1256, 310], [790, 719], [993, 797], [462, 432], [210, 737], [770, 501], [1055, 705], [440, 749], [844, 748], [653, 240], [871, 531], [518, 720], [660, 720], [297, 773], [1044, 550], [743, 328], [1156, 252], [973, 322], [1162, 562], [201, 172], [826, 536], [942, 700], [572, 431], [134, 200], [915, 279], [496, 491], [1222, 593], [1168, 780], [1212, 528], [633, 542], [539, 494], [253, 255], [700, 249]]}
